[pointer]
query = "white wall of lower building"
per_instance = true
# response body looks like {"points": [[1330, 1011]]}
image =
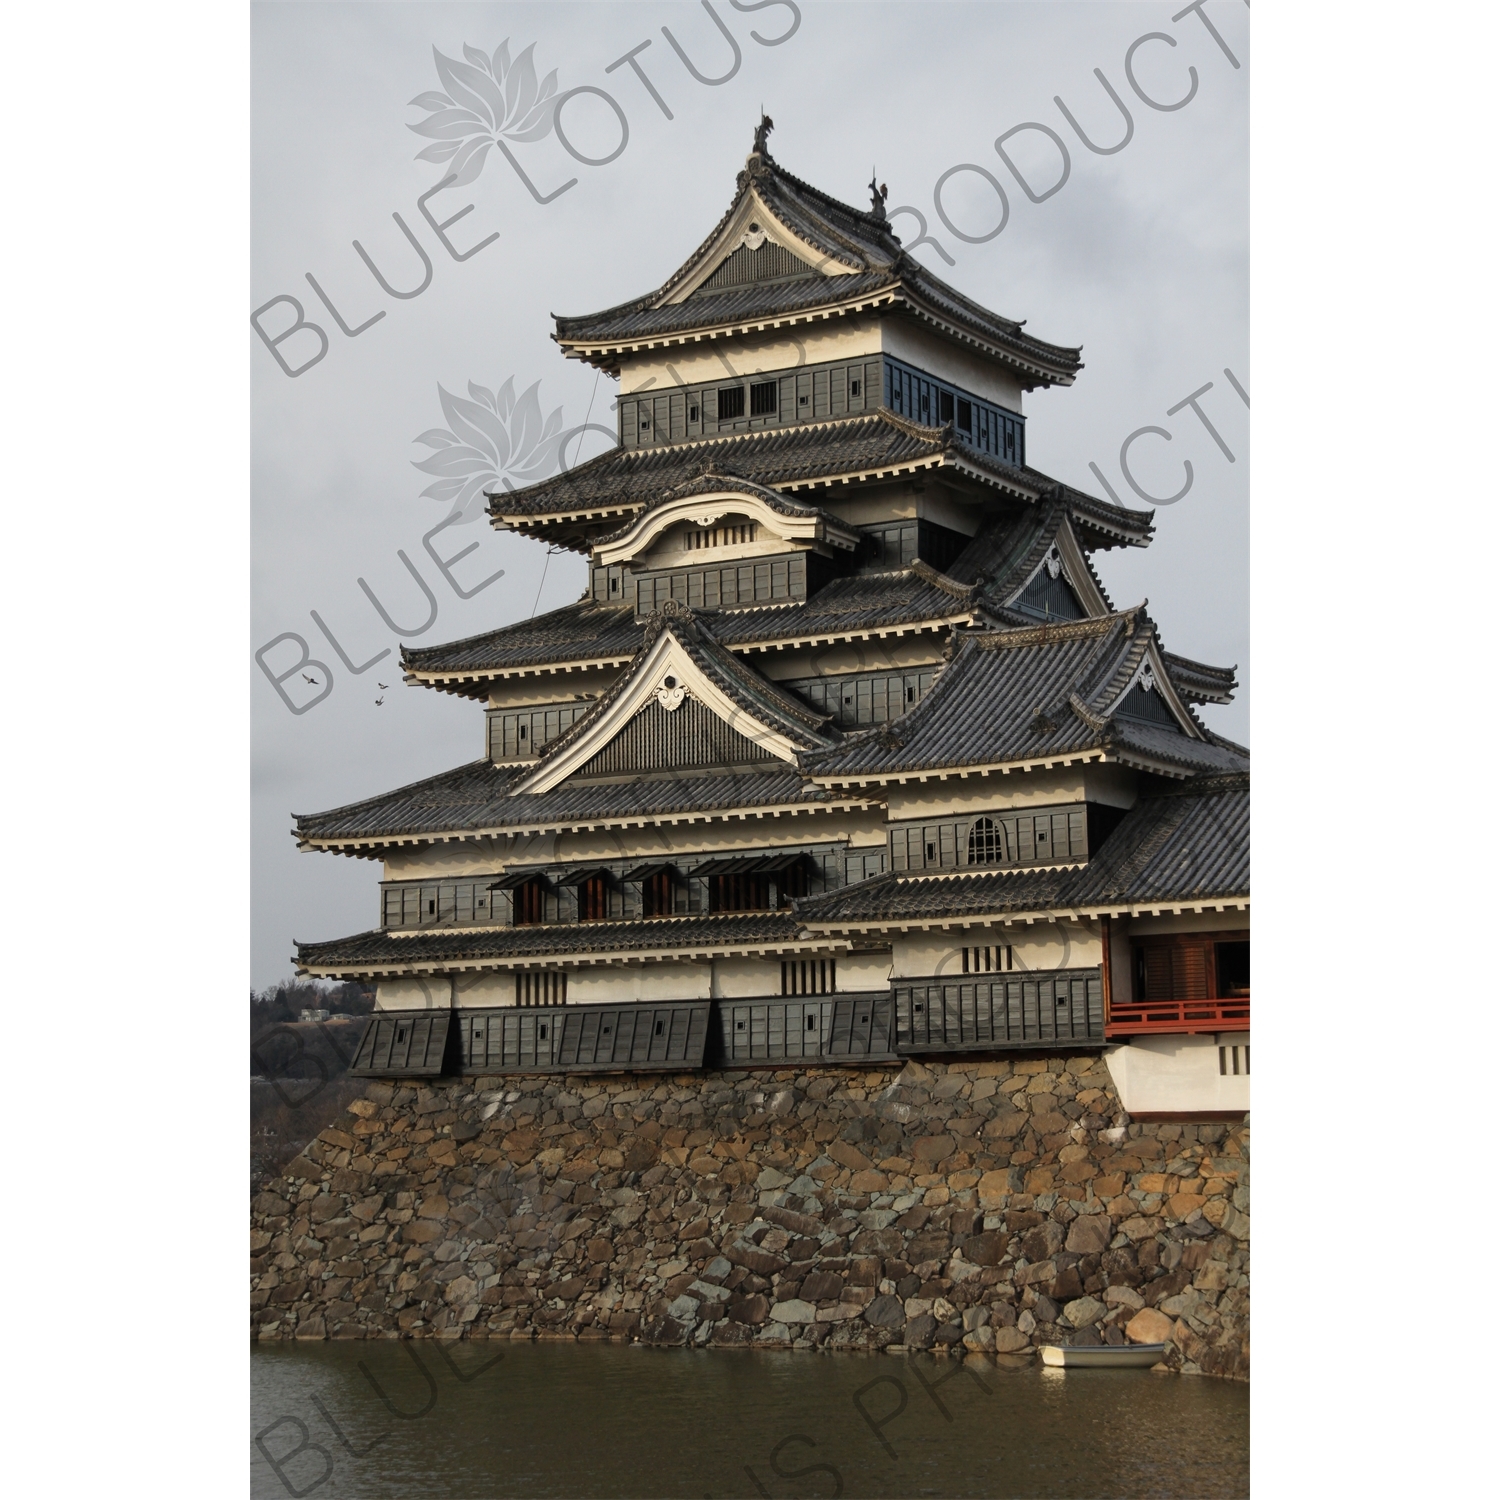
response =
{"points": [[429, 992], [484, 989], [1041, 945], [654, 982], [1180, 1074]]}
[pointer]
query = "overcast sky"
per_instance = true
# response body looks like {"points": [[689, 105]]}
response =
{"points": [[1140, 256]]}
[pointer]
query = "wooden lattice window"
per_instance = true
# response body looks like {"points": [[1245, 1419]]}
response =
{"points": [[731, 401], [807, 976], [763, 399], [989, 960], [1192, 966], [657, 895], [986, 843], [541, 987], [530, 904], [593, 899]]}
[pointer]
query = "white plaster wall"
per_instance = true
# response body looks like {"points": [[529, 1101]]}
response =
{"points": [[1177, 1074], [1038, 946], [1113, 785], [552, 687], [907, 340], [862, 971], [963, 513], [728, 359], [484, 990], [431, 992], [743, 978], [618, 985], [479, 857]]}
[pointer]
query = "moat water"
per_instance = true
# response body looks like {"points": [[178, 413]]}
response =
{"points": [[418, 1419]]}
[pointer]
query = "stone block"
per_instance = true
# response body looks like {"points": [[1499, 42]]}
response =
{"points": [[795, 1311], [885, 1312], [752, 1310], [920, 1331], [1149, 1327], [1083, 1311], [1090, 1234], [1009, 1340]]}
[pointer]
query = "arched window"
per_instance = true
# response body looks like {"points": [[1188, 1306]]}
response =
{"points": [[986, 843]]}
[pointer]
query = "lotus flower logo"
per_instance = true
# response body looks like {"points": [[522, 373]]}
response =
{"points": [[489, 437], [487, 98]]}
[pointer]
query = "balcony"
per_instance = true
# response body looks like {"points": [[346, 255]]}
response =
{"points": [[1182, 1016]]}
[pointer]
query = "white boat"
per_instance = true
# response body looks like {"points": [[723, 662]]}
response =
{"points": [[1103, 1356]]}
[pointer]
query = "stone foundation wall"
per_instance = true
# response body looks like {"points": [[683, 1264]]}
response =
{"points": [[989, 1206]]}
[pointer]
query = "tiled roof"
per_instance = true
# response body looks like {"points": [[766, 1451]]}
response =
{"points": [[871, 264], [373, 952], [1200, 683], [474, 799], [569, 508], [1026, 696], [590, 632], [1191, 844], [584, 631], [864, 601]]}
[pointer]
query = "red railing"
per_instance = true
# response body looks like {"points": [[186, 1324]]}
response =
{"points": [[1179, 1015]]}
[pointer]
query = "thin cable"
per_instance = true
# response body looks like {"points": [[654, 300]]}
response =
{"points": [[550, 550]]}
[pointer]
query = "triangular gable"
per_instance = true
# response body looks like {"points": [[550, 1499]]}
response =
{"points": [[1060, 579], [675, 731], [755, 234], [670, 672], [1141, 689]]}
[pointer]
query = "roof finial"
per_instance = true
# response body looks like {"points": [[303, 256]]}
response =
{"points": [[878, 196], [766, 126]]}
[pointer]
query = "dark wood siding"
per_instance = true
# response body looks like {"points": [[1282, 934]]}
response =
{"points": [[998, 839], [898, 544], [685, 738], [922, 398], [519, 734], [1063, 1007], [807, 394], [1049, 598], [750, 1032], [866, 697], [405, 1044], [585, 1038], [441, 903], [760, 580]]}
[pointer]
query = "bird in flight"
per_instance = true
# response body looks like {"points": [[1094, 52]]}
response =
{"points": [[312, 680], [383, 686], [379, 701]]}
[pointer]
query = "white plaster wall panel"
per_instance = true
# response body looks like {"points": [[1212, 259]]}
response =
{"points": [[913, 344], [745, 978], [548, 687], [485, 989], [1177, 1075], [427, 992], [862, 971], [812, 344], [1041, 946], [652, 982]]}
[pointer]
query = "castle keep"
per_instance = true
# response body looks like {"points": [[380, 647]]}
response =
{"points": [[844, 756]]}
